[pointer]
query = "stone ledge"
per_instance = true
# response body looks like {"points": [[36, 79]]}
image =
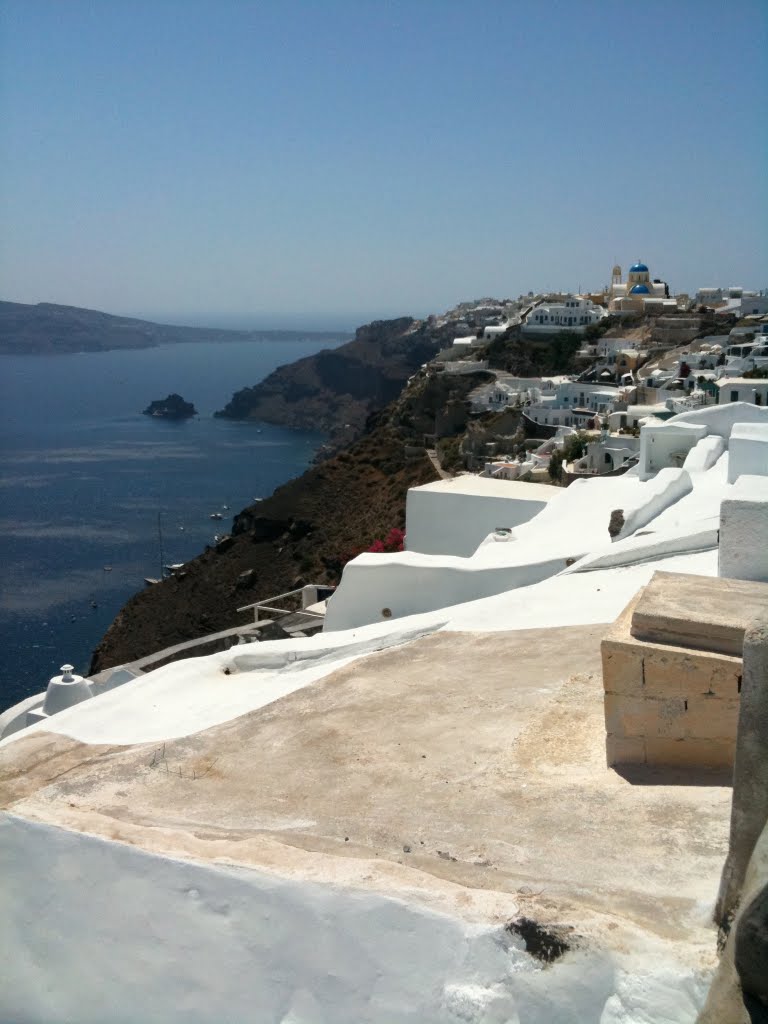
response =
{"points": [[698, 612], [672, 671]]}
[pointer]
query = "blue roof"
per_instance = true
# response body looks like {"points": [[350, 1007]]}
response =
{"points": [[639, 289], [638, 268]]}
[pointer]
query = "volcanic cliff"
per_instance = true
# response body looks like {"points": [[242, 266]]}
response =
{"points": [[336, 390], [308, 529]]}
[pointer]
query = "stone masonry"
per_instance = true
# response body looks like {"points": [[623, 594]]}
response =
{"points": [[672, 671]]}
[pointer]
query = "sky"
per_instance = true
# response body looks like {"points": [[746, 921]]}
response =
{"points": [[194, 157]]}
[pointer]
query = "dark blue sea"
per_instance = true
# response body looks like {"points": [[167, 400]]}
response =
{"points": [[83, 476]]}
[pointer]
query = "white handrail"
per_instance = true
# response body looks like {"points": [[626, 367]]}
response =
{"points": [[268, 606], [277, 597]]}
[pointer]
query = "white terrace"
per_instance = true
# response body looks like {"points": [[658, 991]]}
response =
{"points": [[409, 817]]}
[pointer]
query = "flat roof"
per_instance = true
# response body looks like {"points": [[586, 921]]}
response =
{"points": [[465, 771], [483, 486]]}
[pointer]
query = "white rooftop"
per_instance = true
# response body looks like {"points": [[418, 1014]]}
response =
{"points": [[339, 829], [470, 484]]}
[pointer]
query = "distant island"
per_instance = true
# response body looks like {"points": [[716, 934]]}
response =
{"points": [[174, 407], [48, 329]]}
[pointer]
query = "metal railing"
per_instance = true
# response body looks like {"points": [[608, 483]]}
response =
{"points": [[269, 606]]}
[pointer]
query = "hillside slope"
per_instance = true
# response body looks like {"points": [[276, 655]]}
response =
{"points": [[304, 533], [336, 391]]}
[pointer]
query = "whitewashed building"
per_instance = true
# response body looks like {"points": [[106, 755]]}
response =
{"points": [[743, 389], [572, 404], [574, 313]]}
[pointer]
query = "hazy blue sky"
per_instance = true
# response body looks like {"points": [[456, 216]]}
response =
{"points": [[169, 156]]}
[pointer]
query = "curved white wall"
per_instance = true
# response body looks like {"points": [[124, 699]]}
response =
{"points": [[663, 445], [705, 454], [376, 587], [721, 419], [451, 517]]}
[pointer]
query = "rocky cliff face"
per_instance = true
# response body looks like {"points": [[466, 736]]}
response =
{"points": [[336, 391], [304, 533]]}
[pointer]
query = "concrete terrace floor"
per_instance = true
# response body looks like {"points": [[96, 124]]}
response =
{"points": [[462, 770]]}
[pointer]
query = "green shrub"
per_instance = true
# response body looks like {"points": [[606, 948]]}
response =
{"points": [[556, 465]]}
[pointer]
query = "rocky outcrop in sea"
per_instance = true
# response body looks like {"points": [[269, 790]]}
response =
{"points": [[174, 407]]}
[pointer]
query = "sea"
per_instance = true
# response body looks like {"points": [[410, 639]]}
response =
{"points": [[91, 489]]}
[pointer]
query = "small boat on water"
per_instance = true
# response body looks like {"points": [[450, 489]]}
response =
{"points": [[216, 515]]}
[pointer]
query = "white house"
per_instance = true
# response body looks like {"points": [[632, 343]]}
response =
{"points": [[754, 304], [709, 296], [496, 396], [751, 355], [742, 389], [492, 331], [572, 404], [609, 452], [575, 313]]}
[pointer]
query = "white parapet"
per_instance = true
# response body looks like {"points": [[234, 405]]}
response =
{"points": [[743, 553], [705, 454], [451, 517], [576, 521], [721, 419], [748, 448], [664, 445]]}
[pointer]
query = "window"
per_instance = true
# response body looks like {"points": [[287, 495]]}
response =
{"points": [[734, 396]]}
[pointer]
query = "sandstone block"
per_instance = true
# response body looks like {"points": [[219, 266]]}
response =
{"points": [[689, 753], [624, 715], [624, 750], [666, 717], [712, 718], [676, 675], [622, 668]]}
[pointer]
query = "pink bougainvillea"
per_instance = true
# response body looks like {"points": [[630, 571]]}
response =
{"points": [[394, 541]]}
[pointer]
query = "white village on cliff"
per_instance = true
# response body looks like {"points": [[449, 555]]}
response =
{"points": [[516, 773]]}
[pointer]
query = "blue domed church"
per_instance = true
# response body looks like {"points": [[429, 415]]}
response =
{"points": [[638, 294]]}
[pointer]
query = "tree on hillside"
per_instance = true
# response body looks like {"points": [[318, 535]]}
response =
{"points": [[556, 466], [575, 446]]}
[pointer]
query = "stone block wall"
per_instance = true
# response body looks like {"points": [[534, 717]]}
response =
{"points": [[667, 705]]}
